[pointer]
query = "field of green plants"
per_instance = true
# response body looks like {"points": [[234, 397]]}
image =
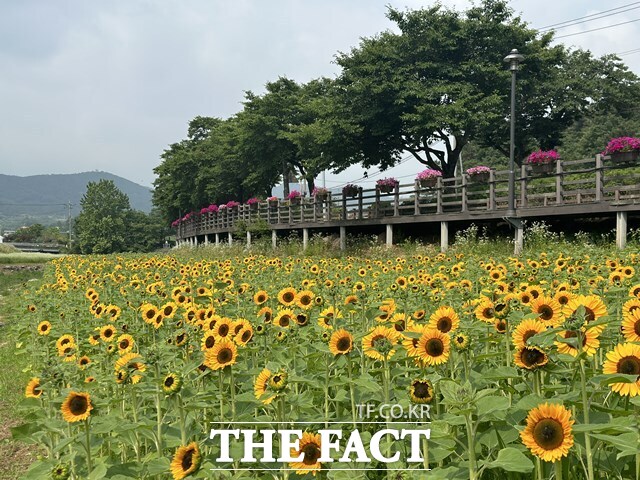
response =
{"points": [[530, 365]]}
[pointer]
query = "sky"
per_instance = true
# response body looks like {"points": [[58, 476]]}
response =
{"points": [[108, 85]]}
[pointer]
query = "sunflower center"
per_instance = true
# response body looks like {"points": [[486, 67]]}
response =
{"points": [[548, 433], [589, 314], [124, 344], [546, 312], [180, 338], [187, 460], [288, 297], [305, 300], [167, 311], [488, 312], [246, 336], [210, 341], [445, 324], [343, 344], [168, 382], [224, 356], [421, 390], [78, 405], [301, 319], [284, 321], [224, 330], [532, 356], [629, 365], [311, 454], [636, 327], [434, 347]]}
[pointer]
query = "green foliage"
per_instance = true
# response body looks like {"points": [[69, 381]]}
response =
{"points": [[37, 233]]}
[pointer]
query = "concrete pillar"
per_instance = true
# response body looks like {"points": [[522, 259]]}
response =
{"points": [[206, 239], [621, 230], [248, 239], [230, 238], [274, 239], [343, 238], [217, 239], [444, 236], [519, 239], [194, 241], [305, 238], [389, 235]]}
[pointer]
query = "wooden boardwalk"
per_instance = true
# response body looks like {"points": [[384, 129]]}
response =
{"points": [[589, 187]]}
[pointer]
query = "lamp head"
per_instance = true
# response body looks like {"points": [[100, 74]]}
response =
{"points": [[513, 59]]}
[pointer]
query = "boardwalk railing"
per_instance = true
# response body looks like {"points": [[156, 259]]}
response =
{"points": [[595, 184]]}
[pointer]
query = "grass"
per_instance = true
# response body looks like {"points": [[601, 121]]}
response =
{"points": [[15, 457], [25, 257]]}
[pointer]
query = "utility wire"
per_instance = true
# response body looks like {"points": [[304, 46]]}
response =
{"points": [[596, 29], [552, 26]]}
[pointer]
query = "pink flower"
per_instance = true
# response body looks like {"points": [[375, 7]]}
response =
{"points": [[429, 173], [541, 156], [622, 144]]}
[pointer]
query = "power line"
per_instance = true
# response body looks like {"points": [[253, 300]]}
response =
{"points": [[551, 27], [628, 52], [596, 29], [591, 19]]}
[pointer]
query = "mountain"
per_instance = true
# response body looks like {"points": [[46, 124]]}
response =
{"points": [[43, 198]]}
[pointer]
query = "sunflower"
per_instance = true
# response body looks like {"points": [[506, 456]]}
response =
{"points": [[421, 391], [209, 340], [168, 310], [149, 312], [60, 472], [485, 311], [530, 357], [33, 388], [125, 343], [460, 341], [284, 318], [500, 324], [44, 328], [634, 290], [222, 327], [380, 343], [309, 450], [266, 313], [244, 336], [287, 296], [107, 333], [525, 330], [434, 347], [84, 361], [411, 338], [593, 306], [327, 316], [589, 337], [548, 432], [76, 407], [171, 383], [185, 461], [260, 297], [222, 354], [445, 319], [131, 362], [341, 342], [278, 381], [260, 387], [625, 359], [631, 326], [548, 310], [304, 299], [65, 341]]}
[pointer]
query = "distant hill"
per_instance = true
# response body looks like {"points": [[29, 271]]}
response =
{"points": [[39, 198]]}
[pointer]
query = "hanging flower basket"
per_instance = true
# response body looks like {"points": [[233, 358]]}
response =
{"points": [[429, 178], [350, 190], [479, 174], [387, 185], [273, 202], [543, 168], [428, 182], [294, 201], [386, 188], [625, 157]]}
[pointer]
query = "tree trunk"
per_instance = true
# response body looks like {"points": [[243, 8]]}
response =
{"points": [[285, 180], [311, 183]]}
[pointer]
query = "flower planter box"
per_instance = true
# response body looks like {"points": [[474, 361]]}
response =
{"points": [[294, 201], [321, 197], [543, 168], [479, 177], [625, 157], [429, 182], [273, 204], [253, 207], [386, 189]]}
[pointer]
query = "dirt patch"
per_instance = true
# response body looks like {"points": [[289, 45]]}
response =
{"points": [[15, 457], [20, 268]]}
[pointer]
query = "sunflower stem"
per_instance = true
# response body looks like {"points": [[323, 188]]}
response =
{"points": [[539, 472], [326, 393], [425, 453], [87, 432], [351, 391], [471, 448], [183, 430], [585, 413], [558, 468], [158, 414], [387, 396], [232, 387]]}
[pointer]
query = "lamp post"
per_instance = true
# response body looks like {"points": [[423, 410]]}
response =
{"points": [[513, 59]]}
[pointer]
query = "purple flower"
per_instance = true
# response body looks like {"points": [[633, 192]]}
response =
{"points": [[387, 182], [622, 144]]}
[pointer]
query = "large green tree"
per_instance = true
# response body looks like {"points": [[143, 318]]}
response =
{"points": [[441, 82]]}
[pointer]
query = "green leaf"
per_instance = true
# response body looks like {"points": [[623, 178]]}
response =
{"points": [[512, 460], [490, 404], [98, 472], [158, 466]]}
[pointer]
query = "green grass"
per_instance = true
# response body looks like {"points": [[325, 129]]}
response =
{"points": [[25, 257], [15, 457], [6, 248]]}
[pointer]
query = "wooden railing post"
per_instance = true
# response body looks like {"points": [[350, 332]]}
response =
{"points": [[344, 207], [523, 186], [416, 198], [439, 195], [492, 190], [315, 211], [279, 216], [329, 201], [396, 200], [463, 199], [599, 178], [377, 203], [302, 209], [360, 204], [559, 177]]}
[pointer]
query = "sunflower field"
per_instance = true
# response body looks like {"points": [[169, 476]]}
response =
{"points": [[530, 366]]}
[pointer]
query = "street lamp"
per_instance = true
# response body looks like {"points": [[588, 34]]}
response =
{"points": [[513, 59]]}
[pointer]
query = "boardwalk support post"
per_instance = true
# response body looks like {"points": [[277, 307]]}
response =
{"points": [[248, 239], [217, 239], [389, 235], [621, 230], [274, 239], [444, 236], [519, 239], [230, 238], [343, 238], [305, 238]]}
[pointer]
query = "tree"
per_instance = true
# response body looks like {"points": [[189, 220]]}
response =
{"points": [[101, 226], [441, 83]]}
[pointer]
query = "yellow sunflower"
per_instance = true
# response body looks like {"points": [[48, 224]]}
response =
{"points": [[631, 326], [485, 311], [76, 407], [548, 432], [380, 343], [108, 333], [287, 296], [185, 461], [588, 337], [309, 450], [304, 299], [129, 363], [594, 308], [525, 330], [548, 310], [434, 347], [530, 358], [421, 391], [284, 318], [341, 342], [32, 389], [260, 387], [222, 354], [327, 316], [125, 343], [260, 297], [445, 319], [44, 328], [625, 359]]}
